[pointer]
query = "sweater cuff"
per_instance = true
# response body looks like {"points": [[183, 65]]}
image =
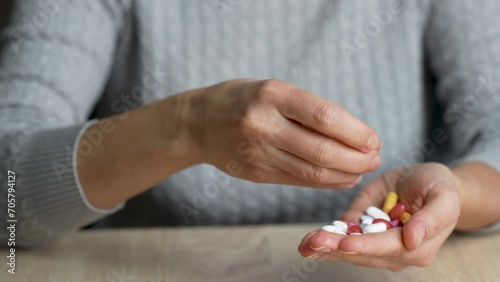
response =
{"points": [[52, 201], [77, 177]]}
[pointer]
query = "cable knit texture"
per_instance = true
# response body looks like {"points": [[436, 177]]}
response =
{"points": [[406, 68]]}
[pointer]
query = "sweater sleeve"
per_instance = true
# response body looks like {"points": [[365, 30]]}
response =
{"points": [[54, 63], [463, 46]]}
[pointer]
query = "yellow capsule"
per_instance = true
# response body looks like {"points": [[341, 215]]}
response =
{"points": [[390, 202], [405, 217]]}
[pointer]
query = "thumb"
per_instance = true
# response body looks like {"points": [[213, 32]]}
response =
{"points": [[440, 211]]}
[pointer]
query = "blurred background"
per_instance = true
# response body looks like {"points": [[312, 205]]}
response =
{"points": [[5, 6]]}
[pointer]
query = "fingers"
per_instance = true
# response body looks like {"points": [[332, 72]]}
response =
{"points": [[388, 243], [310, 172], [323, 151], [283, 177], [324, 244], [439, 212], [434, 205], [324, 116], [380, 250], [325, 241], [374, 262], [304, 248]]}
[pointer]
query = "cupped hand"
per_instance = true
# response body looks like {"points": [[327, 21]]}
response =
{"points": [[274, 132], [431, 192]]}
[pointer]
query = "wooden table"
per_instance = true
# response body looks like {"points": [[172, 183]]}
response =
{"points": [[250, 253]]}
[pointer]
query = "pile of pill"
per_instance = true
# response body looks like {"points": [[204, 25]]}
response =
{"points": [[393, 214]]}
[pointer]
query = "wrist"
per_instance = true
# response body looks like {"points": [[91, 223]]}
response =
{"points": [[479, 195], [177, 133]]}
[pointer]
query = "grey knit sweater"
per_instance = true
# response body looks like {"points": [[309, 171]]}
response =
{"points": [[423, 74]]}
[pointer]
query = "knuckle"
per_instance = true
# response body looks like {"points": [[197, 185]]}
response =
{"points": [[322, 154], [316, 174], [326, 113], [250, 127], [269, 86]]}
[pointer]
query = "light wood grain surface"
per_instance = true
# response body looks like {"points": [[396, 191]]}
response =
{"points": [[251, 253]]}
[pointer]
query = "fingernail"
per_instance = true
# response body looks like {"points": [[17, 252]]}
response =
{"points": [[317, 256], [419, 236], [314, 256], [350, 253], [372, 143], [323, 250], [375, 162]]}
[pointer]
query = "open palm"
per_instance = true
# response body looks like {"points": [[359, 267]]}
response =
{"points": [[430, 192]]}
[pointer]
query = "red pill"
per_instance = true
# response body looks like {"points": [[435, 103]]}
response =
{"points": [[387, 223], [398, 210], [354, 229]]}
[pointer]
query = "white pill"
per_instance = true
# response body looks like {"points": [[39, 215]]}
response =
{"points": [[367, 221], [377, 213], [333, 229], [375, 228], [365, 217], [341, 224]]}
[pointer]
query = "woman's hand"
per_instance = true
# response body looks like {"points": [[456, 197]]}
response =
{"points": [[431, 192], [273, 132], [265, 131]]}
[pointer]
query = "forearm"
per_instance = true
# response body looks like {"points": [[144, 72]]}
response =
{"points": [[480, 194], [140, 149]]}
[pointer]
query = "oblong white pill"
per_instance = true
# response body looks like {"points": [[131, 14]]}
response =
{"points": [[367, 221], [341, 224], [375, 228], [377, 213], [366, 217], [333, 229]]}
